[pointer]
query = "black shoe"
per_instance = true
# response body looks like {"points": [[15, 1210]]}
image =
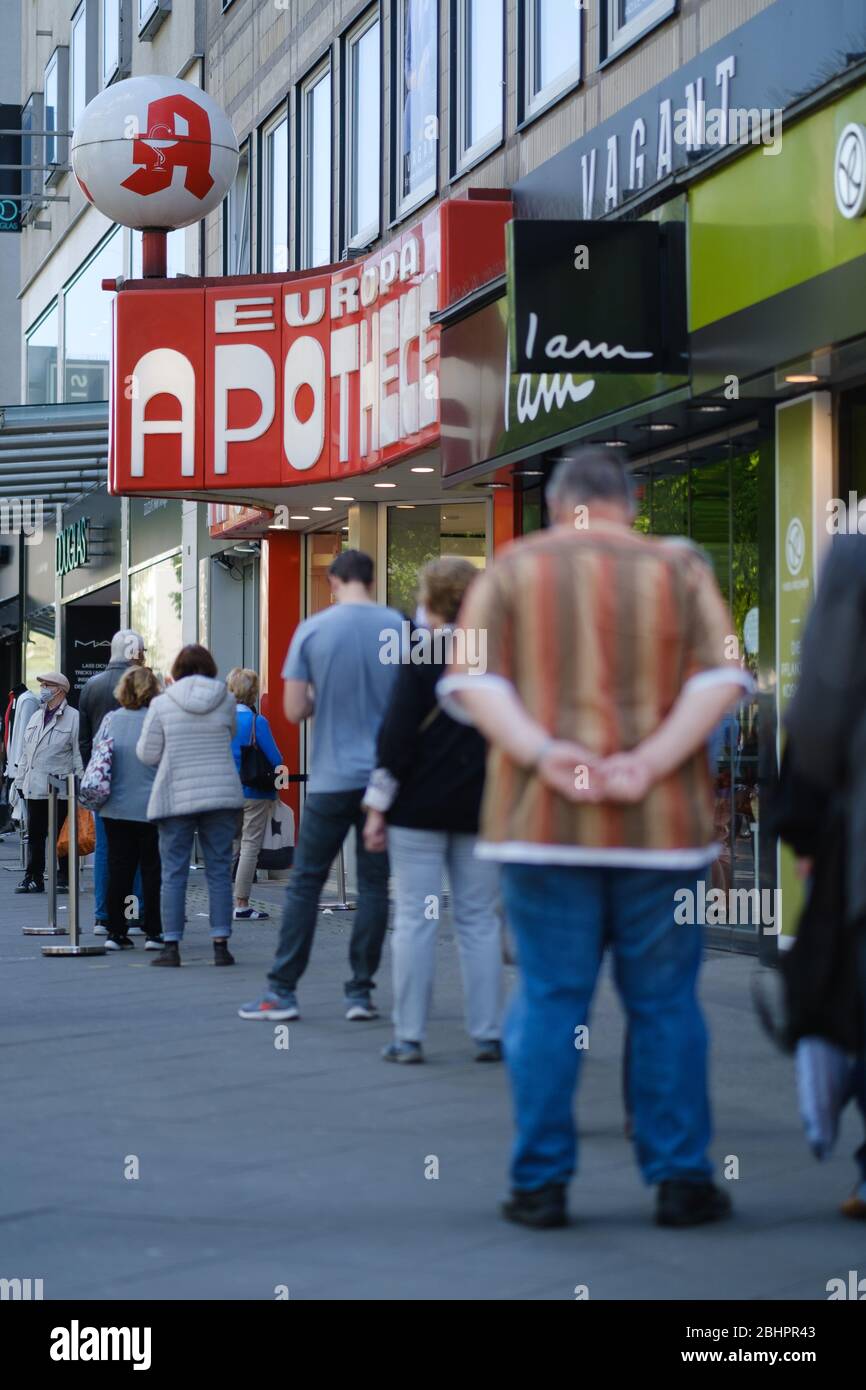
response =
{"points": [[221, 953], [169, 955], [690, 1203], [544, 1208], [63, 887], [30, 885], [488, 1050]]}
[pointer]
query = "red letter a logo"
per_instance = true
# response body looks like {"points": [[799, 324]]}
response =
{"points": [[160, 161]]}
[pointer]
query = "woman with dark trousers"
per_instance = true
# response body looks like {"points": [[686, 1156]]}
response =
{"points": [[133, 840]]}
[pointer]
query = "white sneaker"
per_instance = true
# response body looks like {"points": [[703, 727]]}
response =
{"points": [[250, 914], [135, 931], [100, 930]]}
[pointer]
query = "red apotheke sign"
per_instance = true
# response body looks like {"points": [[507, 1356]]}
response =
{"points": [[267, 381]]}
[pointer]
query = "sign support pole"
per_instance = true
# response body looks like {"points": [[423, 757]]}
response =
{"points": [[154, 254]]}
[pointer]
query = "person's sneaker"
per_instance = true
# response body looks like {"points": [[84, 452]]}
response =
{"points": [[488, 1050], [221, 953], [402, 1051], [119, 943], [360, 1007], [63, 887], [154, 943], [544, 1208], [134, 929], [169, 955], [30, 885], [250, 914], [279, 1008], [100, 928], [854, 1207], [680, 1203]]}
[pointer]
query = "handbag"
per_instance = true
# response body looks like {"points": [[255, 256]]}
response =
{"points": [[257, 770], [96, 783], [278, 845], [86, 829]]}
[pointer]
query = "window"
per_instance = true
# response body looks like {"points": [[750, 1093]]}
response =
{"points": [[42, 348], [115, 58], [628, 20], [32, 118], [87, 324], [55, 108], [551, 52], [275, 213], [363, 132], [416, 123], [236, 221], [430, 531], [155, 597], [316, 198], [479, 76], [151, 14]]}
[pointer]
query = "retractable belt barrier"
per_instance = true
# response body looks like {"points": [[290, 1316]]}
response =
{"points": [[56, 784]]}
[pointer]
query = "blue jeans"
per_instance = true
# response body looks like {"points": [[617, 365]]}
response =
{"points": [[326, 821], [216, 833], [563, 918]]}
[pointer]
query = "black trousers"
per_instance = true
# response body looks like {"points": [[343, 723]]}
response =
{"points": [[37, 834], [132, 844]]}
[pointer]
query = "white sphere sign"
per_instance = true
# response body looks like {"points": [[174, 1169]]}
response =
{"points": [[154, 152]]}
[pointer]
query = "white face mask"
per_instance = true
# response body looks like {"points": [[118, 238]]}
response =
{"points": [[46, 693]]}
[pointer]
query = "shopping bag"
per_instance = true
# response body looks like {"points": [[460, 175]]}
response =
{"points": [[86, 834], [277, 851], [96, 782]]}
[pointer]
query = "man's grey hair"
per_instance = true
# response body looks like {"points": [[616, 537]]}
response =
{"points": [[126, 645], [590, 475]]}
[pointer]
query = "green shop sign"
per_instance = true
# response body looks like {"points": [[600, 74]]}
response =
{"points": [[71, 547]]}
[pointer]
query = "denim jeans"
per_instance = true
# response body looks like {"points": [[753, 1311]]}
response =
{"points": [[100, 872], [326, 820], [216, 833], [563, 918], [419, 859]]}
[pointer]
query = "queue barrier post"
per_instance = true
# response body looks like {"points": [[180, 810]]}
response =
{"points": [[74, 948], [53, 929]]}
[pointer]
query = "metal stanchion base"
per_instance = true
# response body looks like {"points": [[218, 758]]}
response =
{"points": [[73, 950], [44, 931], [337, 907]]}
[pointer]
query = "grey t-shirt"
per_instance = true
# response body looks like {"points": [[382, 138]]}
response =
{"points": [[340, 653]]}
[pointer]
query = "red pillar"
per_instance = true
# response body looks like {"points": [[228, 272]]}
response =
{"points": [[506, 516], [280, 614]]}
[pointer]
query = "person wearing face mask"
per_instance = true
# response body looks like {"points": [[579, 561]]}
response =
{"points": [[50, 747]]}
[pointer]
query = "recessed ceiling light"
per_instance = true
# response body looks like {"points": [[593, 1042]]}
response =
{"points": [[658, 427], [384, 484], [802, 379], [405, 506], [344, 499], [344, 528], [323, 509], [530, 473], [423, 470], [299, 517], [615, 443], [495, 486]]}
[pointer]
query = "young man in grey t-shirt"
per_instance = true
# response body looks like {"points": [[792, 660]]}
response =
{"points": [[336, 670]]}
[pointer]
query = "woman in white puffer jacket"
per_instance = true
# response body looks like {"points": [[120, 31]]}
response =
{"points": [[187, 736]]}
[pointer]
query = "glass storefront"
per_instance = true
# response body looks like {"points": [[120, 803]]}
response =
{"points": [[428, 531], [711, 497], [39, 648], [155, 599], [87, 325], [42, 347]]}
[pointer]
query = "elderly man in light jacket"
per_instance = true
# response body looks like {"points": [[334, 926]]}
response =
{"points": [[50, 747]]}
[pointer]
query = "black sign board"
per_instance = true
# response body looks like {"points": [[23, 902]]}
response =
{"points": [[10, 179], [597, 297], [89, 629]]}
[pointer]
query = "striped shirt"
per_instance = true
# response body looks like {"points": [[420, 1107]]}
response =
{"points": [[598, 631]]}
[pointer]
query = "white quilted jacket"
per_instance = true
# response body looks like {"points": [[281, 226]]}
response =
{"points": [[187, 736]]}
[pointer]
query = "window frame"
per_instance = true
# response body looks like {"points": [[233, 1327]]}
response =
{"points": [[228, 209], [32, 153], [115, 231], [124, 43], [464, 157], [324, 68], [88, 13], [349, 39], [55, 145], [532, 105], [264, 194], [403, 207], [617, 38], [147, 24], [54, 306]]}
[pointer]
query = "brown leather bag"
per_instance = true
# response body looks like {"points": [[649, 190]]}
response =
{"points": [[86, 828]]}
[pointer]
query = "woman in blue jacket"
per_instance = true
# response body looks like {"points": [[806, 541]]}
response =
{"points": [[244, 685]]}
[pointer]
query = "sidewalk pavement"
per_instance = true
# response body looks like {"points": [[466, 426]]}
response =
{"points": [[262, 1171]]}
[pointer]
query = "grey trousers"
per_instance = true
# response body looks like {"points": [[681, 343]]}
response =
{"points": [[419, 859], [254, 825]]}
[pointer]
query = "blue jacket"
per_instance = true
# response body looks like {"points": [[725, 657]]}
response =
{"points": [[265, 740]]}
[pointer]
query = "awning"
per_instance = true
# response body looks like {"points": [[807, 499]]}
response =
{"points": [[53, 452]]}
